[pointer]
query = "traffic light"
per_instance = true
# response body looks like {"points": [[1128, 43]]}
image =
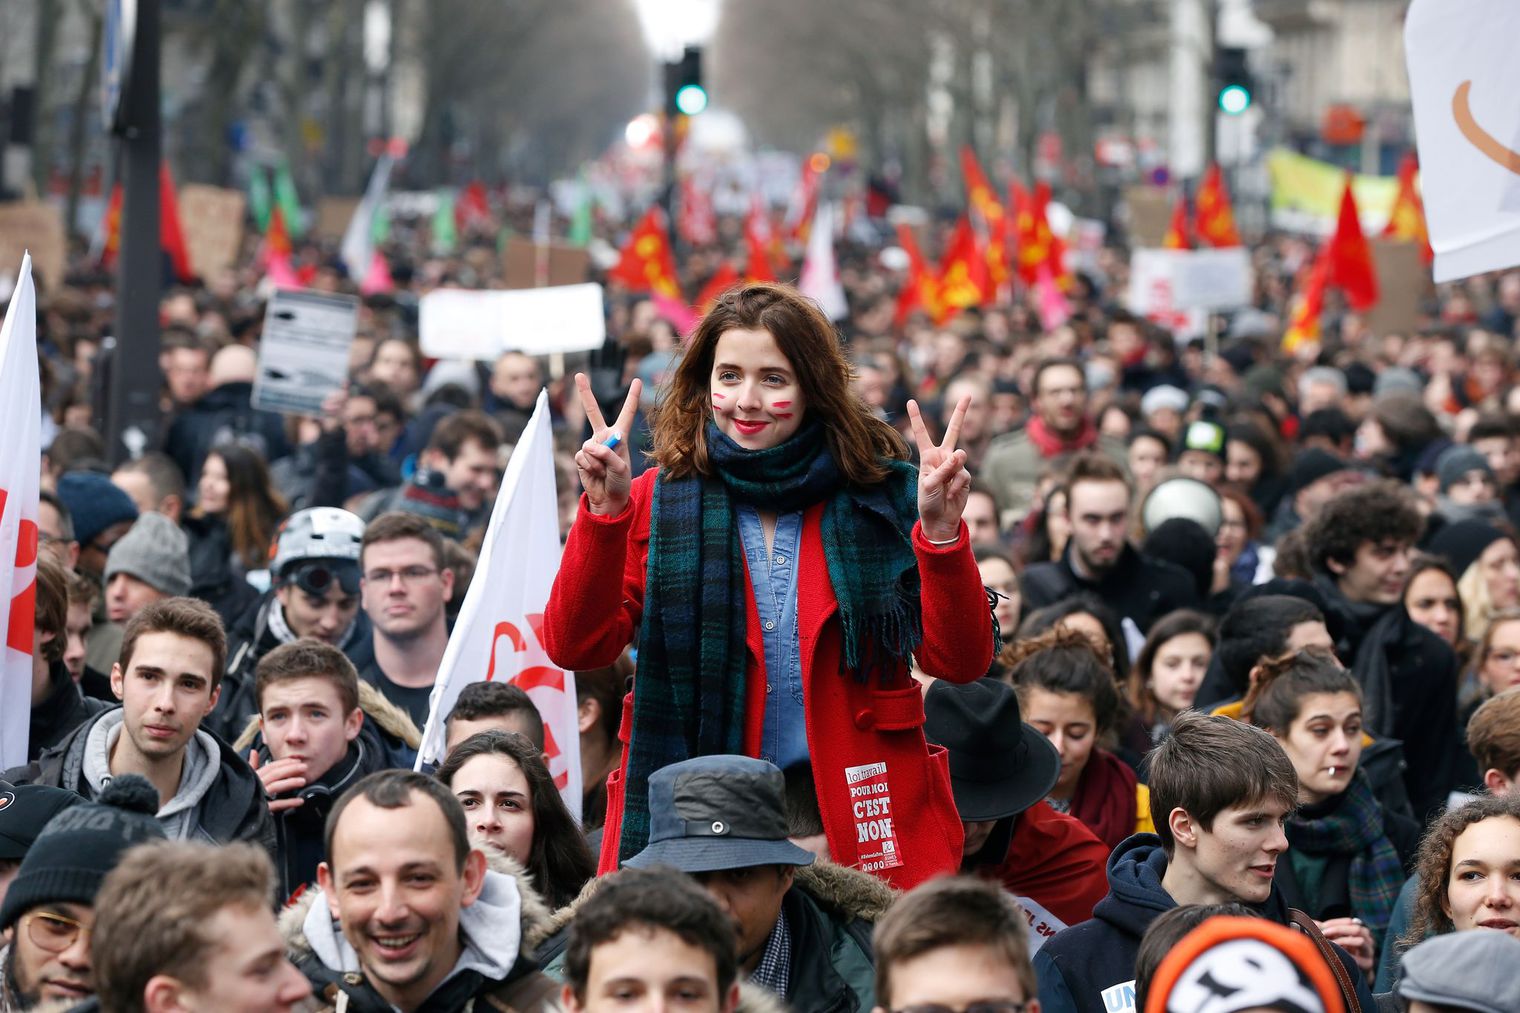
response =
{"points": [[1234, 88], [685, 95]]}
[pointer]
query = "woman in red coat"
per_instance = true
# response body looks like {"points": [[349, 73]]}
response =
{"points": [[777, 571]]}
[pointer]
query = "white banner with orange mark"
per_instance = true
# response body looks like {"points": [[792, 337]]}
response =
{"points": [[1463, 79], [20, 468], [497, 635]]}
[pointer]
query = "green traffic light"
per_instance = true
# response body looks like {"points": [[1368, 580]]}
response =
{"points": [[1234, 99], [691, 99]]}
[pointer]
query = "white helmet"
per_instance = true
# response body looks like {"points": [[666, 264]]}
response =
{"points": [[317, 533]]}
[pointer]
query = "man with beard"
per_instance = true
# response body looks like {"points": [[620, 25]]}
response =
{"points": [[1099, 558]]}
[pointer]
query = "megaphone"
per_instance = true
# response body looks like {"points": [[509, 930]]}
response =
{"points": [[1182, 497]]}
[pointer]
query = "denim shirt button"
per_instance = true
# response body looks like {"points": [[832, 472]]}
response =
{"points": [[769, 624]]}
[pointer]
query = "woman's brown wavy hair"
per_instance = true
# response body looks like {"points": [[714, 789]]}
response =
{"points": [[859, 440], [1433, 864]]}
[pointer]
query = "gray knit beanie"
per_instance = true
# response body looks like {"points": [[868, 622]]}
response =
{"points": [[156, 552]]}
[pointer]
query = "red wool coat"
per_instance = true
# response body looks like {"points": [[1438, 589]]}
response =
{"points": [[884, 793]]}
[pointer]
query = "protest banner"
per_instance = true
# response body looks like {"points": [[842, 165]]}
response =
{"points": [[212, 220], [1207, 280], [498, 632], [1153, 291], [1306, 194], [303, 352], [21, 412], [35, 227], [1462, 81], [457, 323]]}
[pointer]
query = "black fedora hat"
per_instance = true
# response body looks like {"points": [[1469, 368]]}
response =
{"points": [[999, 766]]}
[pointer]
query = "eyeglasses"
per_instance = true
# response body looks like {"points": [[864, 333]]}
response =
{"points": [[982, 1006], [51, 931], [408, 575]]}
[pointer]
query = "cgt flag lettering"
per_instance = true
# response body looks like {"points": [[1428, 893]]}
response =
{"points": [[20, 459], [497, 635]]}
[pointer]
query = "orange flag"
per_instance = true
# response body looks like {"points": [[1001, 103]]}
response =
{"points": [[1350, 257], [1307, 305], [1215, 220], [1037, 244], [920, 290], [111, 244], [277, 238], [646, 264], [1407, 220], [723, 279], [963, 277], [1177, 233]]}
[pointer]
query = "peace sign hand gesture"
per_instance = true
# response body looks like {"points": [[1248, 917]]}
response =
{"points": [[944, 484], [606, 471]]}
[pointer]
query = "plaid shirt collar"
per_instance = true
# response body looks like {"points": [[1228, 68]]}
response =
{"points": [[775, 969]]}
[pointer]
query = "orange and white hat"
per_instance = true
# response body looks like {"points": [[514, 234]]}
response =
{"points": [[1229, 964]]}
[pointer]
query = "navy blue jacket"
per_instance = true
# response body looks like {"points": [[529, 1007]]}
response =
{"points": [[1090, 967]]}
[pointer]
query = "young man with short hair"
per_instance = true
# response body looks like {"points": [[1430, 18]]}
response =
{"points": [[58, 704], [483, 706], [460, 464], [1060, 427], [954, 943], [1219, 836], [315, 572], [1258, 628], [207, 943], [422, 918], [405, 587], [1099, 557], [1360, 547], [654, 939], [155, 484], [168, 679]]}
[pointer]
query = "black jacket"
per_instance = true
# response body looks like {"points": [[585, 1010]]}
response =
{"points": [[322, 473], [233, 809], [1139, 587], [1090, 967], [223, 414], [214, 578], [65, 709]]}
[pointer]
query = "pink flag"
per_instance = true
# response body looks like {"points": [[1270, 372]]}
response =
{"points": [[676, 313], [1054, 309], [280, 273], [378, 280], [20, 467]]}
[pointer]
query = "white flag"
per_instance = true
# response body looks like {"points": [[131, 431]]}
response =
{"points": [[820, 275], [358, 246], [1463, 79], [498, 633], [20, 467]]}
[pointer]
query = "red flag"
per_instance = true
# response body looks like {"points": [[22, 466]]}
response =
{"points": [[983, 199], [646, 263], [1308, 303], [1037, 244], [1177, 233], [698, 221], [1350, 256], [758, 238], [963, 277], [1216, 219], [804, 203], [920, 290], [111, 243], [170, 237], [1407, 220], [723, 279], [473, 209]]}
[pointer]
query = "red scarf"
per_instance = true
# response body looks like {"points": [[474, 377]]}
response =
{"points": [[1105, 797], [1055, 861], [1051, 444]]}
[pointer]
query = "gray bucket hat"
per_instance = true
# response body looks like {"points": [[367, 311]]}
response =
{"points": [[718, 812], [1473, 970]]}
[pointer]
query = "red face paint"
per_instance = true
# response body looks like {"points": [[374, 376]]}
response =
{"points": [[718, 397], [779, 404], [782, 415]]}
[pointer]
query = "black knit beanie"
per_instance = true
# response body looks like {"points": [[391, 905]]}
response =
{"points": [[80, 845], [1463, 542]]}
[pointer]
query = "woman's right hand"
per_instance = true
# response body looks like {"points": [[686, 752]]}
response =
{"points": [[606, 472]]}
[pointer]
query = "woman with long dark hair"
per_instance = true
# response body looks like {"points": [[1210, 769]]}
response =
{"points": [[231, 527], [512, 808], [779, 567]]}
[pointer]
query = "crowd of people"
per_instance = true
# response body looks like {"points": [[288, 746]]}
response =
{"points": [[921, 666]]}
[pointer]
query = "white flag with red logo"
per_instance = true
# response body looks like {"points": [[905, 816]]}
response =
{"points": [[498, 633], [20, 467]]}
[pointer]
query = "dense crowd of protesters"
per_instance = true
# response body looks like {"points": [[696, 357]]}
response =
{"points": [[922, 667]]}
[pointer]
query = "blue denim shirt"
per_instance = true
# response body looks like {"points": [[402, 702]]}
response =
{"points": [[774, 576]]}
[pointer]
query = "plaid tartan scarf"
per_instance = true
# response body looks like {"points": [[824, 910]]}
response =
{"points": [[690, 699], [1355, 828]]}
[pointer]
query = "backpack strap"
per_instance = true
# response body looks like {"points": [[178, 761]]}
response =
{"points": [[1307, 926]]}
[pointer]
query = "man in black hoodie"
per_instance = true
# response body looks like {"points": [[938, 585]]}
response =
{"points": [[1361, 547], [1219, 836]]}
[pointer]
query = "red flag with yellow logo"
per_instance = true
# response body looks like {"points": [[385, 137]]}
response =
{"points": [[983, 200], [1177, 233], [920, 291], [1215, 218], [645, 263], [963, 277], [1037, 244], [1407, 220], [1307, 305]]}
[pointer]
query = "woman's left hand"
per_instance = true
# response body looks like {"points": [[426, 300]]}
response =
{"points": [[1355, 938], [944, 484]]}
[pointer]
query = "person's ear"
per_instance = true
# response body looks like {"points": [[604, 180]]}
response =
{"points": [[1335, 566], [171, 506], [163, 994], [788, 876], [1184, 829], [73, 554], [1498, 783], [118, 681], [326, 882], [474, 876], [446, 576], [732, 1005], [588, 714], [567, 999], [433, 460], [352, 724]]}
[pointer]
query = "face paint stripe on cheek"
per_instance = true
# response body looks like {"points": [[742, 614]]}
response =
{"points": [[783, 404]]}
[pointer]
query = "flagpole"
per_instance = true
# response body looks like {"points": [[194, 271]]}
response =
{"points": [[131, 411]]}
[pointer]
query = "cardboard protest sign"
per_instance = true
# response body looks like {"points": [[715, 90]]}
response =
{"points": [[333, 216], [456, 323], [1403, 280], [522, 258], [303, 353], [38, 227], [1150, 212], [212, 219]]}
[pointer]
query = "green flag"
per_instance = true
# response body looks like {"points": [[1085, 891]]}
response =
{"points": [[290, 201], [380, 225], [258, 197], [580, 221], [445, 233]]}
